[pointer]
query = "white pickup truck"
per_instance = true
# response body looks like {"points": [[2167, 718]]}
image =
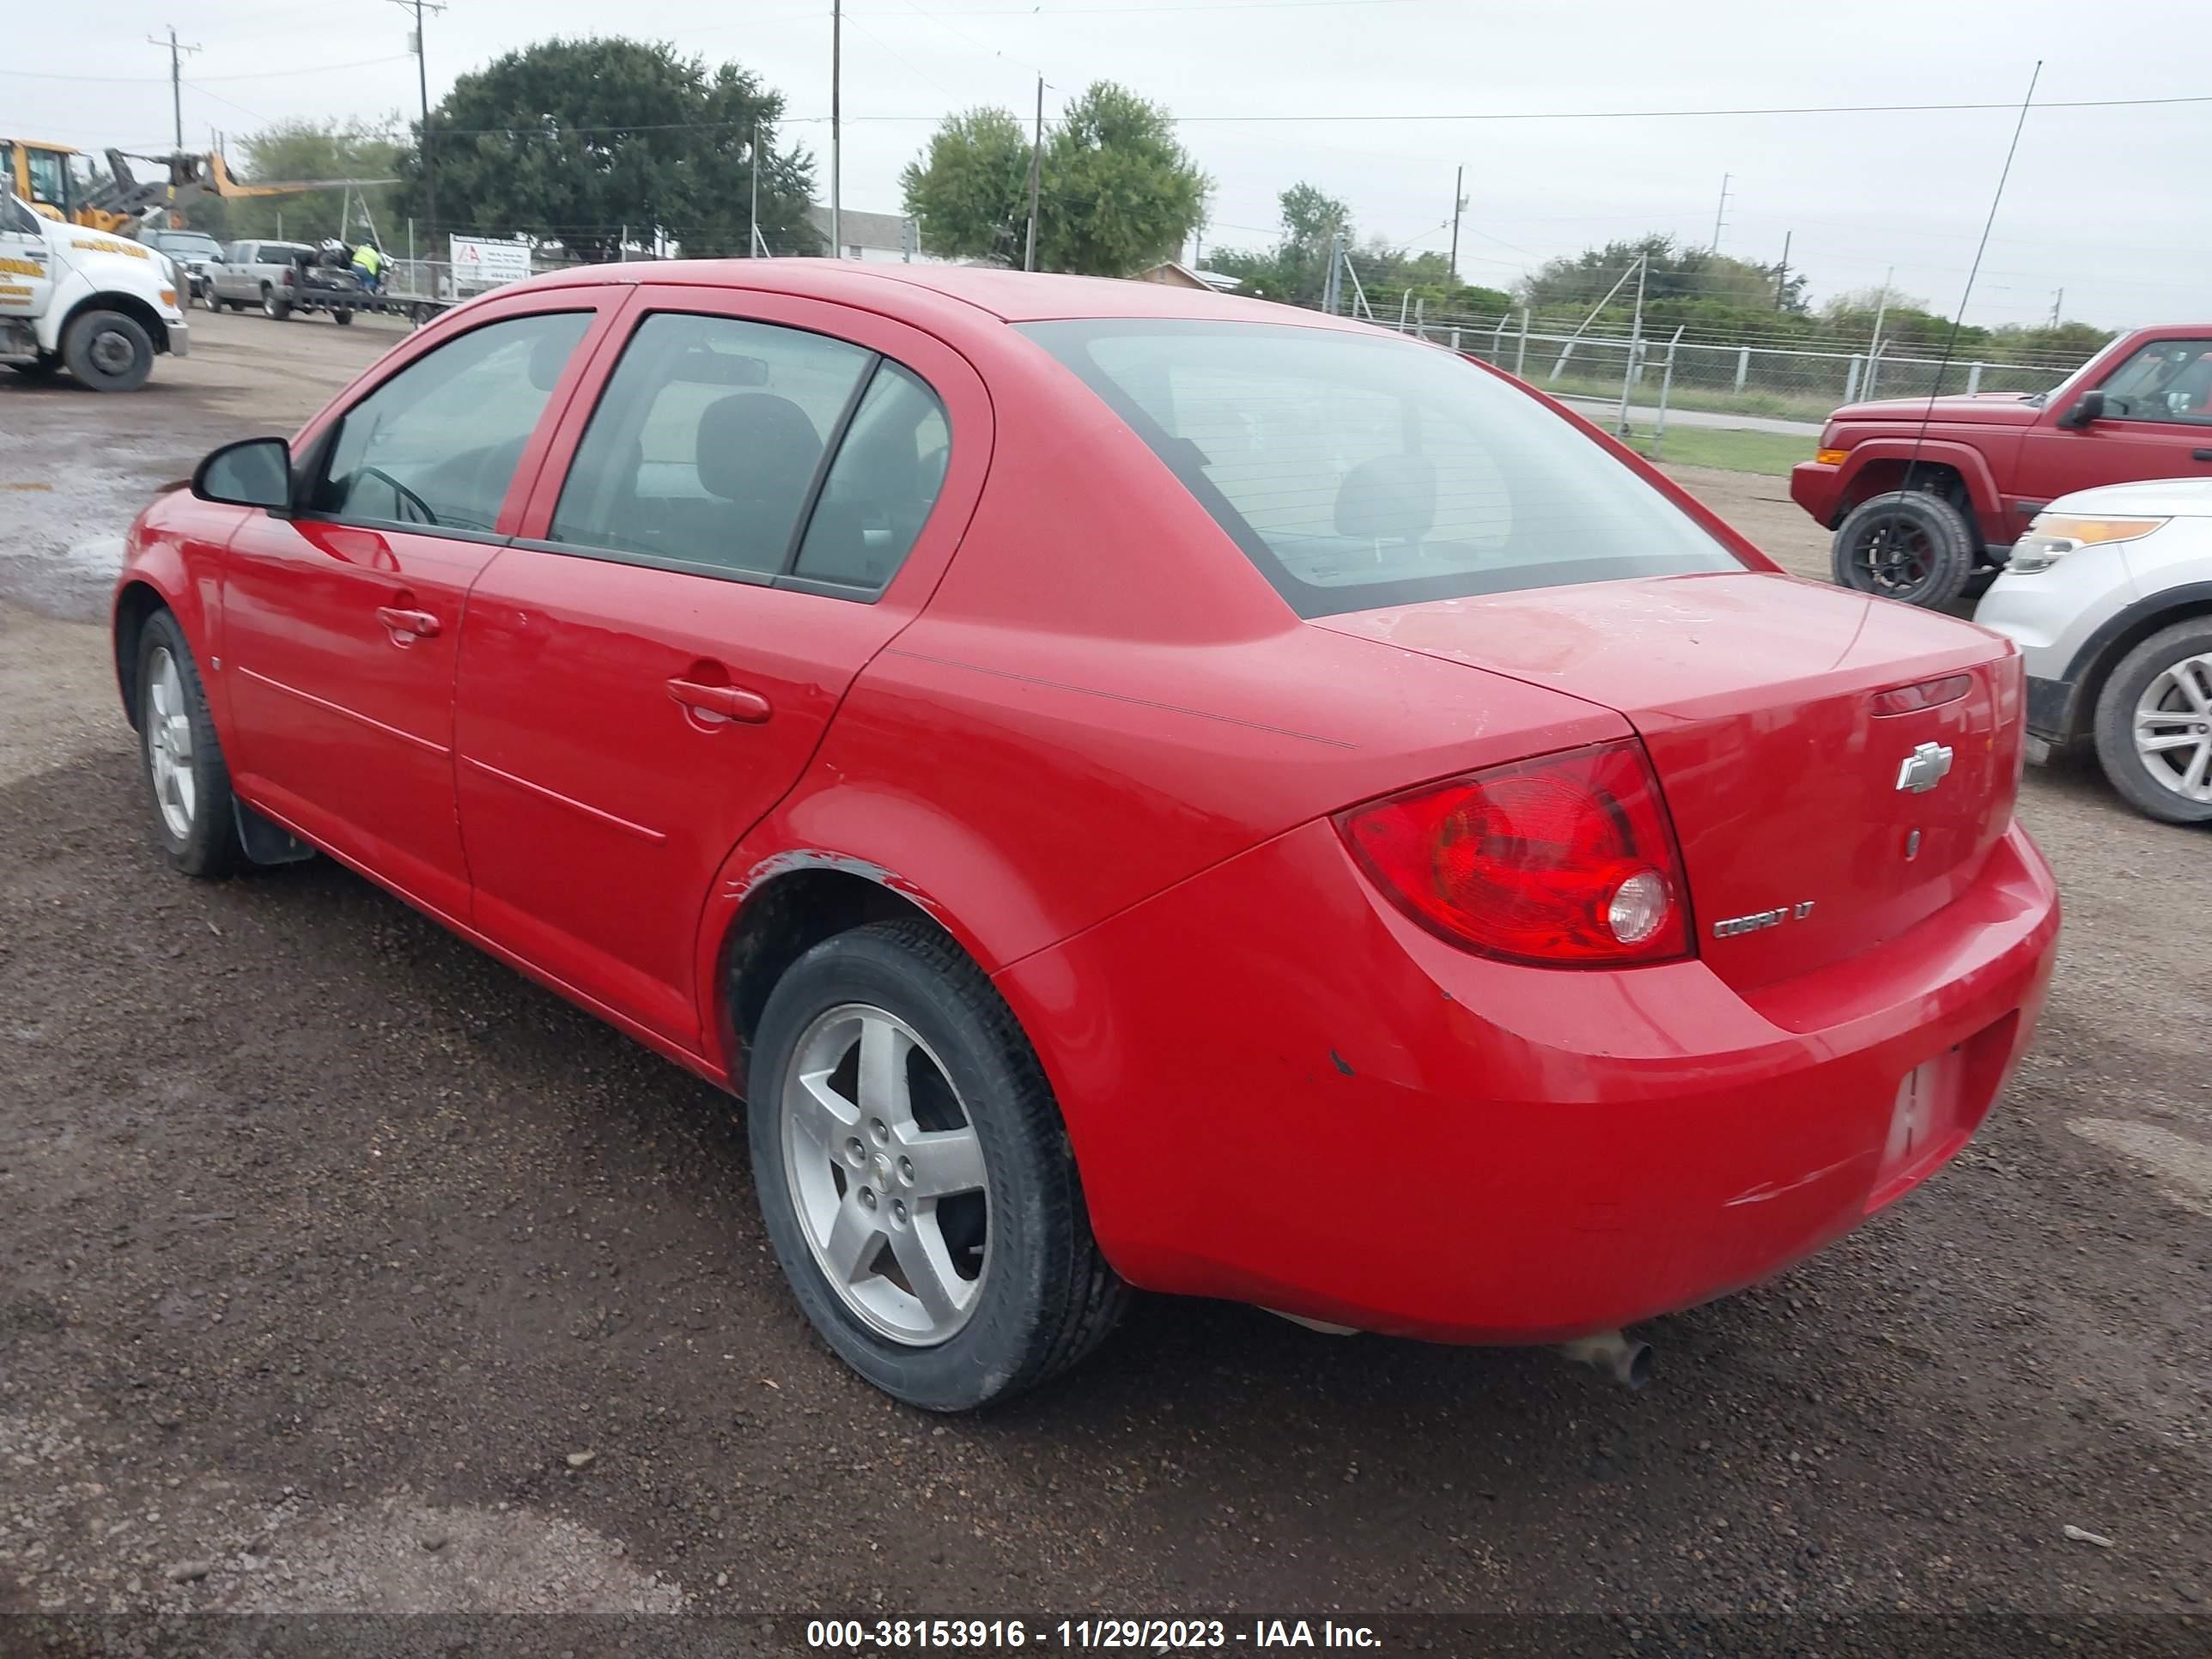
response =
{"points": [[101, 306]]}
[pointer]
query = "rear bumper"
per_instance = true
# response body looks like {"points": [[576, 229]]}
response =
{"points": [[1817, 488], [1281, 1092]]}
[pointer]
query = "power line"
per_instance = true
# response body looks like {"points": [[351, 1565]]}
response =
{"points": [[162, 80], [1679, 114], [1485, 115]]}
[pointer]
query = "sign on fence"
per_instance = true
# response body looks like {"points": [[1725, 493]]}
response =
{"points": [[486, 262]]}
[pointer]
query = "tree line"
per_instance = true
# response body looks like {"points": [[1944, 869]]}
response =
{"points": [[601, 148]]}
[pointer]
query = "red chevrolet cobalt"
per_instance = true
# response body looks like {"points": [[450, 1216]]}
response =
{"points": [[1133, 788]]}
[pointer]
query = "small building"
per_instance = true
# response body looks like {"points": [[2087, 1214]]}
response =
{"points": [[873, 238], [1175, 274]]}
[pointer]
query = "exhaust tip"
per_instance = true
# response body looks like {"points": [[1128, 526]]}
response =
{"points": [[1627, 1360]]}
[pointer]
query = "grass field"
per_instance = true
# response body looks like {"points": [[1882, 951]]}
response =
{"points": [[1782, 405], [1772, 453]]}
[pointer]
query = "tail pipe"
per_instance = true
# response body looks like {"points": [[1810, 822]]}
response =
{"points": [[1625, 1359]]}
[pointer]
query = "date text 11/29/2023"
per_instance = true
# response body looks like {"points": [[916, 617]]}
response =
{"points": [[1125, 1635]]}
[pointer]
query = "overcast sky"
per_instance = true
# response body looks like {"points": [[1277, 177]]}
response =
{"points": [[2109, 204]]}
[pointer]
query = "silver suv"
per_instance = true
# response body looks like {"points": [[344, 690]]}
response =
{"points": [[2109, 597]]}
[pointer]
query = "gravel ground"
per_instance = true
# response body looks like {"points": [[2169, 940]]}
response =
{"points": [[342, 1270]]}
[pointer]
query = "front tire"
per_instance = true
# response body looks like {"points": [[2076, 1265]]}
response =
{"points": [[108, 351], [1907, 545], [914, 1175], [2154, 725], [186, 777], [341, 318]]}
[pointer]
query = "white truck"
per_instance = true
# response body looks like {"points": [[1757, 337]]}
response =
{"points": [[101, 306]]}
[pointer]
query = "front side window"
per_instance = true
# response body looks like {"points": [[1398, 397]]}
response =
{"points": [[704, 449], [436, 446], [47, 175], [2164, 381], [1358, 470]]}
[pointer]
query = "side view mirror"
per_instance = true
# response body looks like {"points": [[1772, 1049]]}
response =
{"points": [[2089, 407], [251, 472]]}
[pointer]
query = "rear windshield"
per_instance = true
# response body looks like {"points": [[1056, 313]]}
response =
{"points": [[1359, 471]]}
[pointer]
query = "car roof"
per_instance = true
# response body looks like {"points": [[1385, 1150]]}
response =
{"points": [[1012, 297]]}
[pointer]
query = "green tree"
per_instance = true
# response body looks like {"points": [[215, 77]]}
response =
{"points": [[968, 190], [1296, 269], [1117, 192], [585, 142]]}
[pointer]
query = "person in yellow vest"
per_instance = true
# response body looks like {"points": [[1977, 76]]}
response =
{"points": [[368, 265]]}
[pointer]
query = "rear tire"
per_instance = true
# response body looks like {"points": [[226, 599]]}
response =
{"points": [[275, 309], [107, 351], [2153, 696], [1907, 545], [187, 781], [1041, 1297], [341, 318]]}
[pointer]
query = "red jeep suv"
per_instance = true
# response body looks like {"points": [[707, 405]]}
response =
{"points": [[1921, 491]]}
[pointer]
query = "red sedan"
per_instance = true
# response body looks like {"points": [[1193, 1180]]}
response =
{"points": [[1133, 788]]}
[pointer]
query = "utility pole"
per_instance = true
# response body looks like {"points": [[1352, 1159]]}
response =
{"points": [[422, 86], [176, 78], [1459, 206], [1782, 271], [836, 126], [1722, 208], [2058, 299], [1037, 178]]}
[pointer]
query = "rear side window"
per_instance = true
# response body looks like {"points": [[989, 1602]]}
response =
{"points": [[881, 486], [1357, 472], [705, 445], [436, 445]]}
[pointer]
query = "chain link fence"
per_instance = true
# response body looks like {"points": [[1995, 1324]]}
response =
{"points": [[1780, 382]]}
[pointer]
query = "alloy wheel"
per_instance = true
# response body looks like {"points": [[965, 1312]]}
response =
{"points": [[1895, 558], [169, 744], [887, 1174], [2173, 727]]}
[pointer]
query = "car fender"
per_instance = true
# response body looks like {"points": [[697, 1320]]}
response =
{"points": [[1970, 463], [2142, 618], [85, 274], [185, 576], [907, 845]]}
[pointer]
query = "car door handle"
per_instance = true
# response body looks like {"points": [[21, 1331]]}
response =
{"points": [[727, 702], [2200, 455], [420, 624]]}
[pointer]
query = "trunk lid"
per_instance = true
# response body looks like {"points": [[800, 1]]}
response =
{"points": [[1755, 696]]}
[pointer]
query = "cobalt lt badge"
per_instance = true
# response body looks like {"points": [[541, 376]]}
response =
{"points": [[1924, 768]]}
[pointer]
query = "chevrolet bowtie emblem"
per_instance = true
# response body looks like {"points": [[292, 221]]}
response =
{"points": [[1924, 768]]}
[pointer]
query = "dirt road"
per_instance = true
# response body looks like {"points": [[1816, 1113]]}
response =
{"points": [[342, 1270]]}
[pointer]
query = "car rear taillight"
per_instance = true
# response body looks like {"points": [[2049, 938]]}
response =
{"points": [[1566, 860]]}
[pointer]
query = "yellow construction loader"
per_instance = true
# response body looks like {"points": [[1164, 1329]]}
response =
{"points": [[64, 184]]}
